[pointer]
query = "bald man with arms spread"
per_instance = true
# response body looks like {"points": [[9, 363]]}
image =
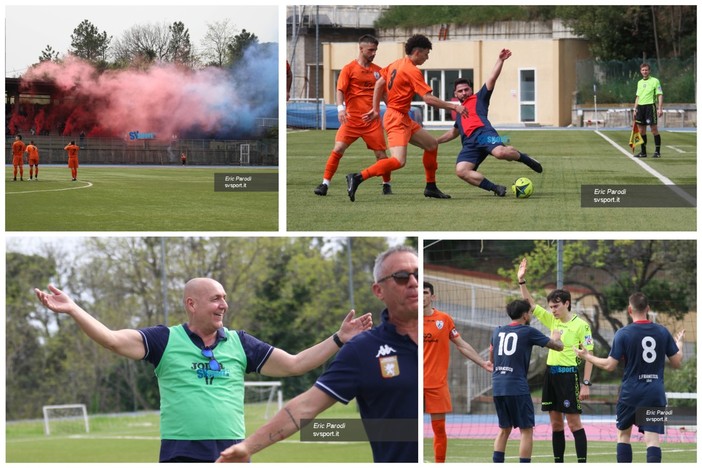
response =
{"points": [[200, 366]]}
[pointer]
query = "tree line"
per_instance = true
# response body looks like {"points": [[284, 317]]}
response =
{"points": [[290, 292], [145, 44]]}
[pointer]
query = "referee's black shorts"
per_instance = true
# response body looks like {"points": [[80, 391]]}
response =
{"points": [[561, 391], [646, 114]]}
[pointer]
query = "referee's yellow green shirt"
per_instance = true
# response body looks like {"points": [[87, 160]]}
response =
{"points": [[576, 332], [647, 90]]}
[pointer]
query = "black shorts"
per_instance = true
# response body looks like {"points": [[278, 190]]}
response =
{"points": [[646, 114], [561, 391]]}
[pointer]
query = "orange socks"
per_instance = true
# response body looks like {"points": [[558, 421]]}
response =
{"points": [[429, 159], [440, 440], [384, 166], [332, 165]]}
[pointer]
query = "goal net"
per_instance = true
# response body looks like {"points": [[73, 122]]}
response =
{"points": [[65, 419], [263, 399]]}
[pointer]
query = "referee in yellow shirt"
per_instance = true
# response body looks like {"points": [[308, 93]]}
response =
{"points": [[648, 106], [563, 390]]}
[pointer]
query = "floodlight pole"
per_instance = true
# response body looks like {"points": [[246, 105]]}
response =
{"points": [[594, 90], [559, 264]]}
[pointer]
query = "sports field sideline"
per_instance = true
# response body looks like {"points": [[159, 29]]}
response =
{"points": [[572, 158]]}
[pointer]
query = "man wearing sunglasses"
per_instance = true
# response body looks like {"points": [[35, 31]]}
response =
{"points": [[377, 368], [200, 366]]}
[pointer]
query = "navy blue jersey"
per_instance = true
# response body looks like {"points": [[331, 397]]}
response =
{"points": [[155, 340], [380, 369], [511, 350], [643, 346], [477, 106]]}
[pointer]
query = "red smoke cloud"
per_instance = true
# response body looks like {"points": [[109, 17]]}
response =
{"points": [[164, 99]]}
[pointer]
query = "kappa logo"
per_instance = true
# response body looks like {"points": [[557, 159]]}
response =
{"points": [[384, 350], [439, 324]]}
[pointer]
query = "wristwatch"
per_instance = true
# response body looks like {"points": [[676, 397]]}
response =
{"points": [[587, 382]]}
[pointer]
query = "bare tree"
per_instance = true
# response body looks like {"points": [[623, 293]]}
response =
{"points": [[143, 43], [216, 42]]}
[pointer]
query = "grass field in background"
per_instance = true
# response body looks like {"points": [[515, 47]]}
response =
{"points": [[480, 451], [135, 438], [109, 198], [571, 158]]}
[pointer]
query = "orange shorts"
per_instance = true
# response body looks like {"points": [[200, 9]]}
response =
{"points": [[437, 400], [371, 133], [17, 160], [399, 127], [33, 161], [73, 163]]}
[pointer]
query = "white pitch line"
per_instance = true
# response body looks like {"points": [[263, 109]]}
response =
{"points": [[90, 184], [666, 181], [675, 149]]}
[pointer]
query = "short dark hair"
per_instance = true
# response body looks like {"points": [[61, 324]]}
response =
{"points": [[638, 301], [368, 39], [517, 308], [18, 136], [73, 142], [559, 295], [429, 286], [644, 65], [418, 41], [462, 81]]}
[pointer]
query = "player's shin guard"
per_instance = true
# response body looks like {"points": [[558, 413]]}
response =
{"points": [[485, 184], [653, 455], [381, 167], [431, 164], [498, 457], [332, 165], [558, 442], [657, 141], [440, 440], [580, 445], [644, 138], [624, 454]]}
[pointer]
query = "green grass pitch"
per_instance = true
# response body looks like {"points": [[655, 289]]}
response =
{"points": [[135, 438], [571, 158], [129, 198], [480, 451]]}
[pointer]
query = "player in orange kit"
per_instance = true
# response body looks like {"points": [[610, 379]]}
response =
{"points": [[73, 158], [399, 82], [33, 160], [439, 330], [18, 149], [354, 96]]}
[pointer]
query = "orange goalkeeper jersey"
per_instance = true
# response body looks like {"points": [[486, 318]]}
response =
{"points": [[402, 81], [439, 330]]}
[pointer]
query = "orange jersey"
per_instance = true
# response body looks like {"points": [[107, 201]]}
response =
{"points": [[18, 148], [439, 330], [357, 83], [402, 81], [33, 152], [72, 150]]}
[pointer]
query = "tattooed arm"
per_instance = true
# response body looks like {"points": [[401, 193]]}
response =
{"points": [[284, 424]]}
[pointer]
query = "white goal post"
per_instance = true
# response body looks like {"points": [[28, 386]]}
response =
{"points": [[274, 394], [75, 413]]}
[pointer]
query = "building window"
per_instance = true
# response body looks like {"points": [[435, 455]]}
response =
{"points": [[441, 82], [527, 96]]}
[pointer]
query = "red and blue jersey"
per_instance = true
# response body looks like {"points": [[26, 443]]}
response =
{"points": [[511, 351], [477, 106], [380, 369], [643, 346]]}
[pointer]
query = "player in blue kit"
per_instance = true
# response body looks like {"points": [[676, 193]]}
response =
{"points": [[379, 369], [510, 351], [643, 346], [478, 137]]}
